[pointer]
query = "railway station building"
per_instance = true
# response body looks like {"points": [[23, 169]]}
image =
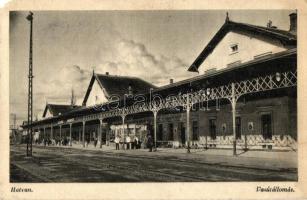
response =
{"points": [[243, 95]]}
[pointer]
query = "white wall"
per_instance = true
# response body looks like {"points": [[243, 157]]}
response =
{"points": [[96, 96], [248, 47], [48, 114]]}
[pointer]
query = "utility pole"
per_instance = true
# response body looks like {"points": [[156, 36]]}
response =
{"points": [[30, 92]]}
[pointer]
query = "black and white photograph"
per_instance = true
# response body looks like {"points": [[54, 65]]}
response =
{"points": [[168, 98], [153, 96]]}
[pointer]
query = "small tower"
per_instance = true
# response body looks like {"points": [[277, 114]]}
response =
{"points": [[227, 17], [72, 98]]}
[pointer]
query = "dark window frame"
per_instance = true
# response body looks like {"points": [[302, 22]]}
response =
{"points": [[182, 127], [270, 130], [170, 132], [195, 133], [160, 132], [238, 136], [234, 48], [212, 128]]}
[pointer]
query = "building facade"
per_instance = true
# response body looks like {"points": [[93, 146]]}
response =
{"points": [[244, 95]]}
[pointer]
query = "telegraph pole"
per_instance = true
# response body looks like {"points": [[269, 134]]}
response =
{"points": [[30, 93]]}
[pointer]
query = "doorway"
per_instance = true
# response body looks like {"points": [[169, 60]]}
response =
{"points": [[238, 128], [266, 123], [182, 133]]}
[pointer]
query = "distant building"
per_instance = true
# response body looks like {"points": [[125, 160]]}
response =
{"points": [[104, 88], [53, 110]]}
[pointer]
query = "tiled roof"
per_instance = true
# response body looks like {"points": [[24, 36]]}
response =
{"points": [[119, 85], [286, 37], [56, 109], [278, 33]]}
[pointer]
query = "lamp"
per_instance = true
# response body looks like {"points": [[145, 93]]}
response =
{"points": [[208, 91], [278, 76]]}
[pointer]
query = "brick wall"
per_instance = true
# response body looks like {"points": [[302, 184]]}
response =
{"points": [[250, 112], [282, 109]]}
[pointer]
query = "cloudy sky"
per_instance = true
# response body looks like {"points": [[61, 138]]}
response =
{"points": [[69, 45]]}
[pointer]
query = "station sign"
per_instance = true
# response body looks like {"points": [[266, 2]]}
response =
{"points": [[70, 120]]}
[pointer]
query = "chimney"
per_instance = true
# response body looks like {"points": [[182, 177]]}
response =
{"points": [[293, 22], [269, 24], [107, 73], [171, 81]]}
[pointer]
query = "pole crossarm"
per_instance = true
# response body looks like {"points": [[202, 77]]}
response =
{"points": [[258, 84]]}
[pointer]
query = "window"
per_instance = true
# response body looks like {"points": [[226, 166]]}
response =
{"points": [[151, 131], [234, 48], [170, 132], [212, 128], [238, 127], [160, 132], [266, 125], [195, 130]]}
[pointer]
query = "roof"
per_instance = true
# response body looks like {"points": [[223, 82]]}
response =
{"points": [[248, 68], [268, 58], [285, 37], [118, 85], [57, 109]]}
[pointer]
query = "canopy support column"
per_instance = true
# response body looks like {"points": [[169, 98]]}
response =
{"points": [[188, 130], [83, 134], [44, 132], [60, 135], [123, 124], [233, 105], [155, 112], [51, 131], [70, 139], [188, 107], [100, 133]]}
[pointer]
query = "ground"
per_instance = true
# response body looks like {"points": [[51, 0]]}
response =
{"points": [[62, 164]]}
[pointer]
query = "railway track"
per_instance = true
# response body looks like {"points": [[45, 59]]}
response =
{"points": [[169, 158], [159, 175], [152, 169]]}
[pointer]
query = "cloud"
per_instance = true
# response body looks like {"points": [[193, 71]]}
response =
{"points": [[58, 88], [69, 77], [133, 59], [130, 58]]}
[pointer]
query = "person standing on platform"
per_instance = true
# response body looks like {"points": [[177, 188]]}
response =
{"points": [[123, 140], [149, 143], [136, 142], [117, 142], [87, 141], [95, 142], [128, 140], [145, 142], [132, 142]]}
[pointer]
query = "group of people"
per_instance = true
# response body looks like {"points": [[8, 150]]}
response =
{"points": [[128, 142], [134, 142], [57, 141], [62, 141], [88, 141]]}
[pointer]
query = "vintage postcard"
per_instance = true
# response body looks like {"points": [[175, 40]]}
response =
{"points": [[153, 100]]}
